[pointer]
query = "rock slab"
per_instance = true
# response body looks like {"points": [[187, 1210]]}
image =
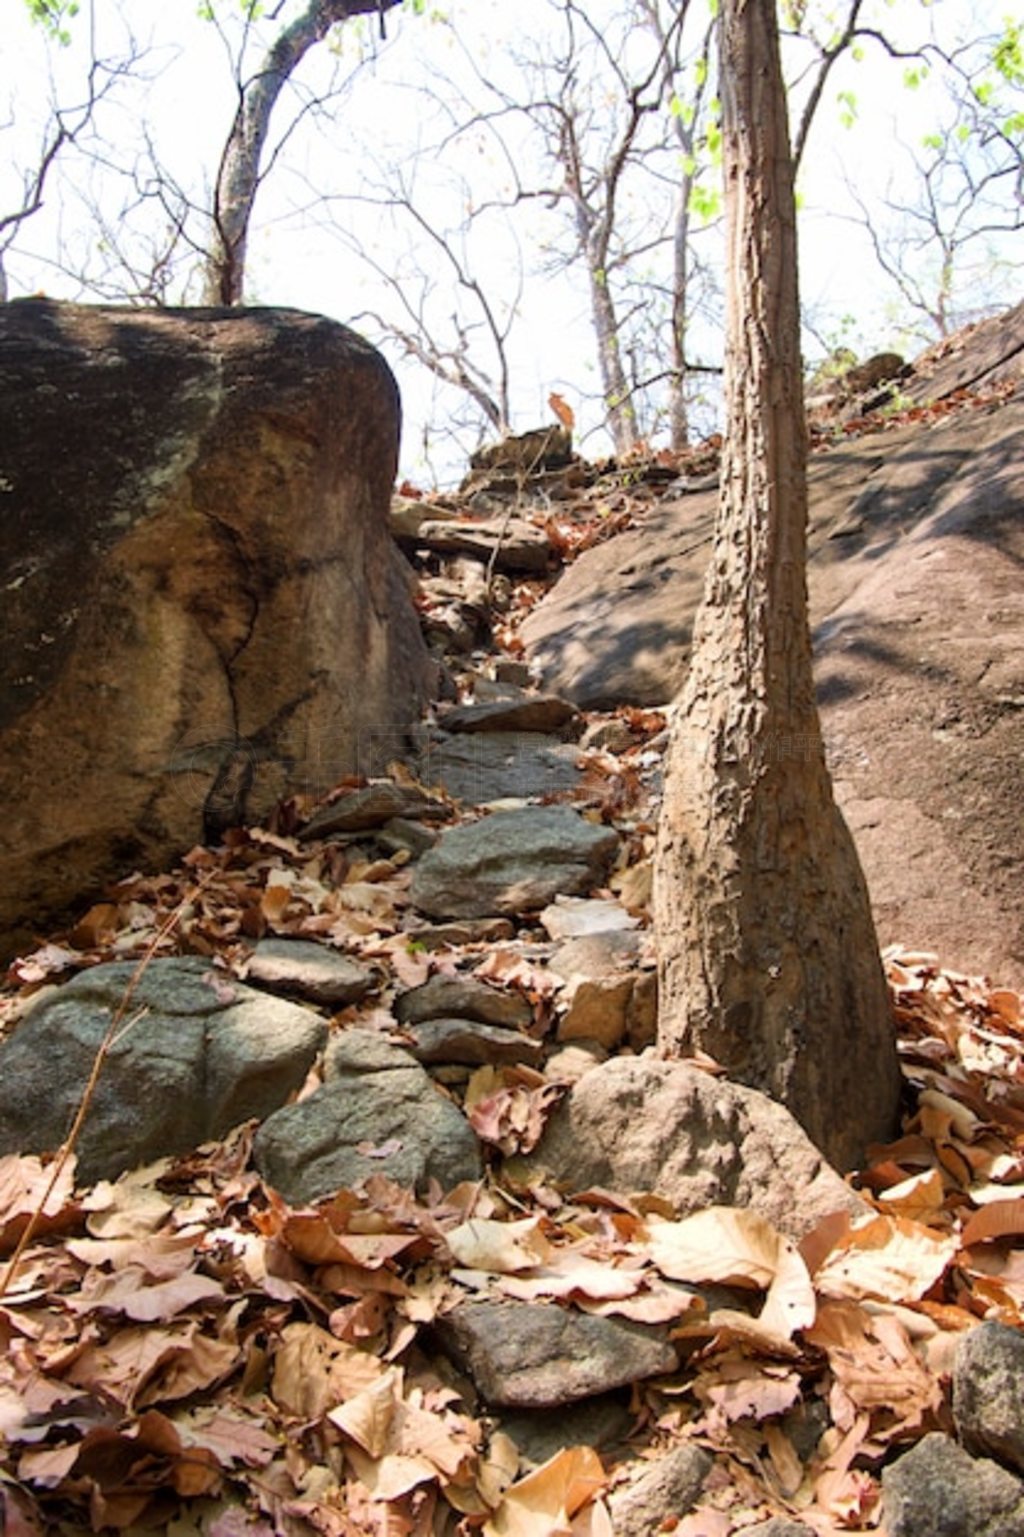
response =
{"points": [[307, 970], [988, 1393], [197, 1054], [537, 1354], [512, 862], [669, 1488]]}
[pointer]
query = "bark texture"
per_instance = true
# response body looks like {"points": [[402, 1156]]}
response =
{"points": [[769, 960]]}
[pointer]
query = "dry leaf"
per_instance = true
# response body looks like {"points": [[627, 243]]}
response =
{"points": [[890, 1258], [739, 1248], [562, 409], [504, 1247], [314, 1372], [543, 1503]]}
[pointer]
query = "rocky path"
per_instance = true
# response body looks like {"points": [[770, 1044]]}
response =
{"points": [[426, 1237]]}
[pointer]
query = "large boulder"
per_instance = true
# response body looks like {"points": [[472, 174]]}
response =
{"points": [[916, 540], [203, 608]]}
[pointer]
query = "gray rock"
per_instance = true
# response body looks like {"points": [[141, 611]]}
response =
{"points": [[316, 972], [499, 765], [377, 1113], [363, 1051], [598, 955], [511, 862], [537, 1354], [198, 1054], [599, 1422], [468, 1041], [641, 1124], [988, 1393], [938, 1490], [529, 712], [371, 806], [669, 1487], [402, 833], [471, 931], [462, 998]]}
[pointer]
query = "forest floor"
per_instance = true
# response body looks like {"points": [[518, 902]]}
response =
{"points": [[187, 1353]]}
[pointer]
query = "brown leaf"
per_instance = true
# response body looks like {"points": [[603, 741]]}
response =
{"points": [[890, 1258], [562, 410], [997, 1219], [313, 1372], [543, 1503]]}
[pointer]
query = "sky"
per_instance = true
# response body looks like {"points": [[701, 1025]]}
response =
{"points": [[300, 253]]}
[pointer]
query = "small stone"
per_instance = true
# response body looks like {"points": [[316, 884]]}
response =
{"points": [[512, 861], [668, 1487], [363, 1051], [515, 544], [487, 766], [402, 833], [778, 1526], [569, 1064], [538, 1355], [462, 998], [369, 807], [642, 1013], [508, 670], [597, 1010], [471, 931], [467, 1041], [988, 1393], [612, 734], [939, 1490], [377, 1113], [531, 712], [575, 917], [301, 967]]}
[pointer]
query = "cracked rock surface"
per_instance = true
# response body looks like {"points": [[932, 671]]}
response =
{"points": [[188, 584]]}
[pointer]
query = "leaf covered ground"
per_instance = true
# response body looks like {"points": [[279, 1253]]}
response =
{"points": [[184, 1352]]}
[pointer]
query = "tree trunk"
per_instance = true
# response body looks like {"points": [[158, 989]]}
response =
{"points": [[679, 415], [238, 178], [620, 413], [768, 955]]}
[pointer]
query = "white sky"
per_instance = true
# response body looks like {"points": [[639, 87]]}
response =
{"points": [[189, 103]]}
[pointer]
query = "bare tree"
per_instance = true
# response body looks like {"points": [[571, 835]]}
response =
{"points": [[239, 173], [768, 955], [69, 122], [444, 311]]}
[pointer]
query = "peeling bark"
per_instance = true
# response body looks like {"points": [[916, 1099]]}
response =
{"points": [[768, 954]]}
